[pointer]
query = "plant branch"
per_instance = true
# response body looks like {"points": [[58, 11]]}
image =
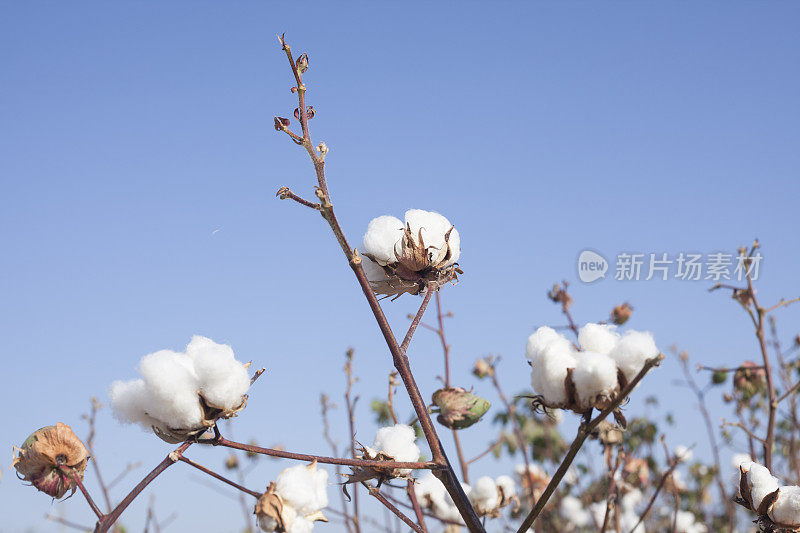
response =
{"points": [[397, 512]]}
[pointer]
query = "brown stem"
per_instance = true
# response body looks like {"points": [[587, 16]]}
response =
{"points": [[326, 432], [108, 520], [401, 362], [350, 402], [660, 486], [412, 495], [461, 460], [397, 512], [92, 417], [77, 480], [443, 339], [584, 431], [213, 474]]}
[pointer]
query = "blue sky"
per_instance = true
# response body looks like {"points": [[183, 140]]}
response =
{"points": [[138, 166]]}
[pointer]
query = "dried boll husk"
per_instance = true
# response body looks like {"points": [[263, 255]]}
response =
{"points": [[211, 414], [381, 474], [459, 409], [50, 457]]}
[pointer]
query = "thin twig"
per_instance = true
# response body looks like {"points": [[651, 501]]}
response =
{"points": [[222, 478], [376, 493], [412, 495], [350, 402]]}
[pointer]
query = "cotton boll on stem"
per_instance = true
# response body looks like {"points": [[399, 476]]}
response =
{"points": [[435, 228], [594, 375], [128, 401], [598, 338], [382, 237], [632, 351], [552, 365], [304, 488], [761, 483], [786, 509], [173, 390], [484, 495], [222, 379], [398, 442]]}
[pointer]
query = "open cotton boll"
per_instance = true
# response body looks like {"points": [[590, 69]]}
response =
{"points": [[632, 350], [786, 509], [398, 442], [761, 483], [599, 338], [128, 401], [507, 485], [739, 459], [594, 374], [304, 488], [300, 525], [484, 495], [223, 380], [685, 522], [434, 229], [573, 511], [173, 389], [631, 499], [539, 340], [382, 237], [373, 270], [428, 488], [683, 454]]}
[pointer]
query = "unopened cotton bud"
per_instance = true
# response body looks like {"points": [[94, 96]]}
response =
{"points": [[232, 462], [51, 458], [483, 368], [302, 63], [458, 408], [621, 313]]}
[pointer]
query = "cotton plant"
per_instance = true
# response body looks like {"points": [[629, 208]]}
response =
{"points": [[626, 507], [294, 501], [405, 256], [777, 505], [434, 498], [592, 376], [183, 394], [686, 522], [489, 496], [395, 443]]}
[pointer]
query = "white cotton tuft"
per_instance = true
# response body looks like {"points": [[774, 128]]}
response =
{"points": [[760, 481], [434, 231], [598, 338], [507, 485], [683, 454], [383, 237], [594, 374], [398, 442], [300, 525], [573, 511], [740, 458], [173, 389], [484, 495], [549, 370], [430, 490], [304, 488], [631, 499], [786, 509], [685, 522], [128, 403], [632, 350], [223, 380], [539, 340]]}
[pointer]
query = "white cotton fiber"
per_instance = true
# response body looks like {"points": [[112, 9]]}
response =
{"points": [[683, 454], [173, 390], [128, 401], [551, 367], [594, 374], [786, 509], [383, 237], [599, 338], [740, 458], [631, 499], [573, 511], [685, 522], [539, 340], [507, 485], [267, 523], [223, 380], [484, 495], [632, 350], [303, 488], [430, 490], [434, 228], [300, 525], [761, 483], [398, 442]]}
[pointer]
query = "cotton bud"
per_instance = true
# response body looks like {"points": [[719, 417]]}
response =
{"points": [[609, 434], [459, 409], [719, 377], [483, 368], [232, 462], [405, 257], [749, 380], [621, 313], [50, 459], [281, 123], [302, 63], [322, 148]]}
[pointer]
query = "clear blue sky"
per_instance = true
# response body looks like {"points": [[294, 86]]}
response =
{"points": [[138, 166]]}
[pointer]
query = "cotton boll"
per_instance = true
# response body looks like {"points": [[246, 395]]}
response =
{"points": [[430, 490], [223, 380], [434, 228], [761, 483], [631, 352], [303, 488], [599, 338], [382, 237], [300, 525], [267, 523], [173, 390], [685, 522], [740, 458], [574, 512], [539, 340], [398, 442], [595, 374], [786, 509], [484, 495], [631, 499], [507, 485]]}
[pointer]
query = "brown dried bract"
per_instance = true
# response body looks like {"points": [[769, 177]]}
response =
{"points": [[50, 458]]}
